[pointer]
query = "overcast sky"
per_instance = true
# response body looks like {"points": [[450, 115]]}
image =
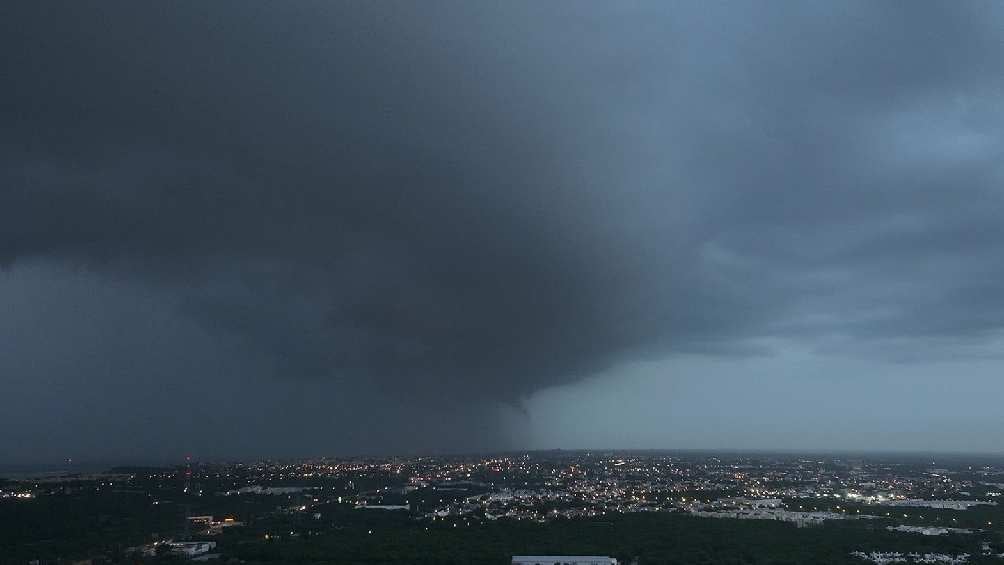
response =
{"points": [[270, 229]]}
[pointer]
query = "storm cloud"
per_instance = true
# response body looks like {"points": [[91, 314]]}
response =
{"points": [[463, 204]]}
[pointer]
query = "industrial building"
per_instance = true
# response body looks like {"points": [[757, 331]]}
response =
{"points": [[562, 560]]}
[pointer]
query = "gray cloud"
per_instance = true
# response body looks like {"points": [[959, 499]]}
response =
{"points": [[474, 203]]}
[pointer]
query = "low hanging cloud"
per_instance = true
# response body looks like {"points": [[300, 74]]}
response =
{"points": [[479, 202]]}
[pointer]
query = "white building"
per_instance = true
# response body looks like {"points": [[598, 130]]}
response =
{"points": [[382, 507], [191, 548], [562, 560]]}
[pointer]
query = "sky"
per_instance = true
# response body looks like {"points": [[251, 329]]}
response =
{"points": [[238, 230]]}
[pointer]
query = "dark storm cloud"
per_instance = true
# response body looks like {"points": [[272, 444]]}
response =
{"points": [[482, 201]]}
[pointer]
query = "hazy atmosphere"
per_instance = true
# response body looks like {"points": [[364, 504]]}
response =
{"points": [[243, 229]]}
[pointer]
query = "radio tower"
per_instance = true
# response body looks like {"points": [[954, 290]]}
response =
{"points": [[186, 507]]}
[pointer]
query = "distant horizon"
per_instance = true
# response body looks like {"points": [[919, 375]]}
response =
{"points": [[95, 466]]}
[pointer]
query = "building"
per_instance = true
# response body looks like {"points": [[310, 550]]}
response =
{"points": [[562, 560], [191, 548]]}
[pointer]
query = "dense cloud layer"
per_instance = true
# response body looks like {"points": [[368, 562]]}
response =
{"points": [[479, 201]]}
